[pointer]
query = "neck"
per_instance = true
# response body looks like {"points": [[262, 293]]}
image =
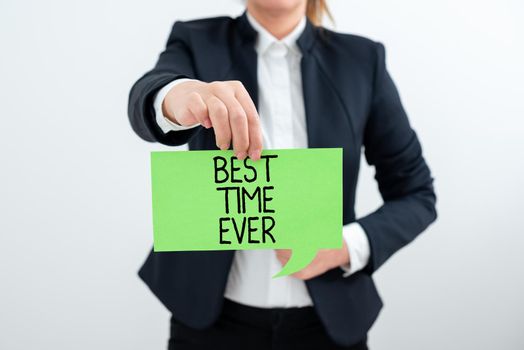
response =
{"points": [[278, 23]]}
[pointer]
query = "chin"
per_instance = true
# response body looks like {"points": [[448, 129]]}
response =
{"points": [[277, 5]]}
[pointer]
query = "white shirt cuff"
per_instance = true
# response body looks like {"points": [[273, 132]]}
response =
{"points": [[358, 247], [163, 122]]}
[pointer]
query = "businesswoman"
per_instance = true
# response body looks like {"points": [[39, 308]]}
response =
{"points": [[274, 78]]}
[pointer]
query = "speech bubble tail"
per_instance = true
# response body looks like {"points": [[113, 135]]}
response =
{"points": [[300, 258]]}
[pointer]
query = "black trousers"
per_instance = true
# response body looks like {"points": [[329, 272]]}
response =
{"points": [[244, 327]]}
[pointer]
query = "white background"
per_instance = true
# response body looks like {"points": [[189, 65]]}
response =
{"points": [[75, 218]]}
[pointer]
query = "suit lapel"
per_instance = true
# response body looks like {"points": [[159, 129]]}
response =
{"points": [[328, 120], [244, 57]]}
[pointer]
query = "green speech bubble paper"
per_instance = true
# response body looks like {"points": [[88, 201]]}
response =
{"points": [[210, 200]]}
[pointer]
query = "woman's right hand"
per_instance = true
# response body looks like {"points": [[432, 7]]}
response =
{"points": [[223, 105]]}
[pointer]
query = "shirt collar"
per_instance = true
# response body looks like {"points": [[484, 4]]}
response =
{"points": [[265, 38]]}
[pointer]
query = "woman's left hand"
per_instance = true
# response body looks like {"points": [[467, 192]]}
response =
{"points": [[325, 260]]}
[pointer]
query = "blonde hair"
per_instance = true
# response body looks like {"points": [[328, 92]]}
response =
{"points": [[315, 11]]}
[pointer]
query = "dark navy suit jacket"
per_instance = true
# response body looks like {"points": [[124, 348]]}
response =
{"points": [[350, 102]]}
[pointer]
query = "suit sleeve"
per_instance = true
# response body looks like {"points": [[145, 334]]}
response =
{"points": [[404, 179], [174, 62]]}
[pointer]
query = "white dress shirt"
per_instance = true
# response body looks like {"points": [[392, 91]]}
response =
{"points": [[283, 122]]}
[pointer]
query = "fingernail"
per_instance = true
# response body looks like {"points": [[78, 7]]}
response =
{"points": [[254, 155], [241, 155]]}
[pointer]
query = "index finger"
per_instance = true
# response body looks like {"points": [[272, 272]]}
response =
{"points": [[253, 121]]}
